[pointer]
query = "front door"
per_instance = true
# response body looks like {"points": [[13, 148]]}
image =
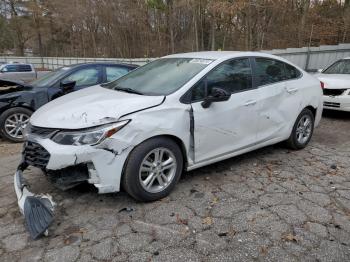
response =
{"points": [[83, 77], [228, 126]]}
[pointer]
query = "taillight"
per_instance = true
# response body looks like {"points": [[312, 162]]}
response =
{"points": [[322, 84]]}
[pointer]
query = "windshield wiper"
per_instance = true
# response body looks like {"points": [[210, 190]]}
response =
{"points": [[128, 90]]}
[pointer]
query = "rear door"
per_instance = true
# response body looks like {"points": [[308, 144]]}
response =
{"points": [[229, 126], [278, 98], [26, 73]]}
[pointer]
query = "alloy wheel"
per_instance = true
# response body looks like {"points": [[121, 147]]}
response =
{"points": [[304, 129], [15, 125], [157, 170]]}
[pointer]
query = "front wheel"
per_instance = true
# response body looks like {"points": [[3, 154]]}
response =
{"points": [[153, 169], [302, 130], [12, 123]]}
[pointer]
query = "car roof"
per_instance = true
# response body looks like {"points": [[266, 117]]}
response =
{"points": [[215, 55], [14, 63]]}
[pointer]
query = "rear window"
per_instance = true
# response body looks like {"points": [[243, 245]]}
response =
{"points": [[292, 72], [24, 68], [271, 71], [339, 67]]}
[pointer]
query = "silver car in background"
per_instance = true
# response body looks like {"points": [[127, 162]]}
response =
{"points": [[17, 72]]}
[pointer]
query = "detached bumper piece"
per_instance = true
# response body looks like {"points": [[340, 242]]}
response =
{"points": [[38, 215], [37, 209]]}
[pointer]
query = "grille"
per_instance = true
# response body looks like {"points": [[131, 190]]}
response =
{"points": [[35, 155], [41, 131], [330, 104], [333, 92]]}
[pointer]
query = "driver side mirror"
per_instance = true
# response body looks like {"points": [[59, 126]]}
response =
{"points": [[319, 70], [217, 94], [67, 86]]}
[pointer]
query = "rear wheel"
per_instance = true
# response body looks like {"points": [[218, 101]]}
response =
{"points": [[12, 123], [153, 169], [302, 130]]}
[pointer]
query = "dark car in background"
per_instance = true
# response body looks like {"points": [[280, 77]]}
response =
{"points": [[19, 100]]}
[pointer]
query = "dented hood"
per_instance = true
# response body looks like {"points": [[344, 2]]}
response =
{"points": [[91, 107], [335, 81]]}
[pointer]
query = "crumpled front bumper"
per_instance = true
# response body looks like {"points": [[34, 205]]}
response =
{"points": [[104, 168], [37, 209]]}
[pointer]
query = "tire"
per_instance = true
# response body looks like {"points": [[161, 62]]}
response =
{"points": [[144, 155], [8, 117], [294, 141]]}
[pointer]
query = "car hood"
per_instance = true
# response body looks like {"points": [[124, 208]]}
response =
{"points": [[335, 81], [9, 87], [90, 107]]}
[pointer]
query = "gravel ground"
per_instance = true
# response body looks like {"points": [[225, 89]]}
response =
{"points": [[269, 205], [9, 149]]}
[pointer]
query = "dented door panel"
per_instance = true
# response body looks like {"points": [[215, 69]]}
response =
{"points": [[272, 119], [225, 127]]}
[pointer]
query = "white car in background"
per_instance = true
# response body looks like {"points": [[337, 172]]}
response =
{"points": [[177, 113], [336, 85]]}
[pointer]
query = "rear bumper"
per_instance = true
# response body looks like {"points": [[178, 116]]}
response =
{"points": [[340, 103]]}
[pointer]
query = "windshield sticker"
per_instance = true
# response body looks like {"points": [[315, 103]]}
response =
{"points": [[201, 61]]}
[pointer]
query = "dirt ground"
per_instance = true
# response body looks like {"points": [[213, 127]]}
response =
{"points": [[272, 204], [9, 149]]}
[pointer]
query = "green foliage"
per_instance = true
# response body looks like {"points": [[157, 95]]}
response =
{"points": [[6, 36], [156, 4]]}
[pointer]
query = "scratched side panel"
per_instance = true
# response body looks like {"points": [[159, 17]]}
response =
{"points": [[167, 119]]}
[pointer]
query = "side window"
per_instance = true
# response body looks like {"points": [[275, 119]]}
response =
{"points": [[291, 72], [113, 72], [233, 76], [84, 77], [10, 68], [269, 71], [24, 68]]}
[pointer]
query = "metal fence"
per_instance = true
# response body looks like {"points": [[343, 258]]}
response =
{"points": [[312, 58], [56, 62]]}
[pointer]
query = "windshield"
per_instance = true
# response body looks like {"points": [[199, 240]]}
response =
{"points": [[50, 78], [161, 77], [340, 67]]}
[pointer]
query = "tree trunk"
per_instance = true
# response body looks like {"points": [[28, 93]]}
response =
{"points": [[212, 34], [304, 12]]}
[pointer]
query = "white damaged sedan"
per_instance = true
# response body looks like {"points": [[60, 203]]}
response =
{"points": [[336, 81], [177, 113]]}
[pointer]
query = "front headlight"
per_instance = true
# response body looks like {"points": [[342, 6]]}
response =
{"points": [[90, 136]]}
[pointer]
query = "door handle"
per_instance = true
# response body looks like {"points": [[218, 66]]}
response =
{"points": [[292, 90], [250, 103]]}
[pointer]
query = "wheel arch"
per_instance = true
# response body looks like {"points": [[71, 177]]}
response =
{"points": [[177, 140], [4, 109], [312, 109], [174, 138]]}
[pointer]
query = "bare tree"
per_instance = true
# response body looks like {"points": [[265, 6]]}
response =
{"points": [[151, 28]]}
